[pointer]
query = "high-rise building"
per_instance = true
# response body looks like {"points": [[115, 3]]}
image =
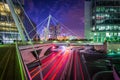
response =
{"points": [[88, 20], [105, 20], [102, 20], [54, 31], [8, 29]]}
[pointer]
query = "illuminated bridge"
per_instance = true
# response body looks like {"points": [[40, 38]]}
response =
{"points": [[40, 61], [55, 60]]}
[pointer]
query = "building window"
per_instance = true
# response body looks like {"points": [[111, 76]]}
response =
{"points": [[119, 34]]}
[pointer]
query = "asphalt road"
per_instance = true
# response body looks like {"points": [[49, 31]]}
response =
{"points": [[61, 65]]}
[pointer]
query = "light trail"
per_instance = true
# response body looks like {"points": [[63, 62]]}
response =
{"points": [[57, 65], [50, 71], [62, 63], [42, 61], [43, 67], [74, 66], [44, 64], [81, 70], [70, 66], [48, 58]]}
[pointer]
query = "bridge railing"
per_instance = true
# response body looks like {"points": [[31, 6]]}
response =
{"points": [[23, 68]]}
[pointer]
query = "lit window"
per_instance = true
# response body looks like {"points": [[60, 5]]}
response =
{"points": [[115, 34], [95, 34], [107, 34], [93, 28], [93, 17], [118, 34]]}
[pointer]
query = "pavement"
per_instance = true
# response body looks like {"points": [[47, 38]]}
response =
{"points": [[67, 65]]}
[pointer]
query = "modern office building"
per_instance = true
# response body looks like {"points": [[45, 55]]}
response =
{"points": [[54, 31], [105, 20], [88, 20], [8, 29]]}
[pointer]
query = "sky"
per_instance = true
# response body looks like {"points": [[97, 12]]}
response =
{"points": [[69, 12]]}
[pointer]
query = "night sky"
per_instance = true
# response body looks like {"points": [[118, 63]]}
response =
{"points": [[69, 12]]}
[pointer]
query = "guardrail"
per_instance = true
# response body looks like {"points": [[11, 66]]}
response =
{"points": [[98, 74], [24, 47]]}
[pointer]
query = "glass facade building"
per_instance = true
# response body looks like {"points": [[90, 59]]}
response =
{"points": [[8, 29], [105, 20], [88, 20]]}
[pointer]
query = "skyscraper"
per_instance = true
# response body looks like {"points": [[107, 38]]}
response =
{"points": [[105, 20], [54, 31], [8, 29], [102, 20], [88, 20]]}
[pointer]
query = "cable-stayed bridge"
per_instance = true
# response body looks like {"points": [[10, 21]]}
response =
{"points": [[50, 61], [51, 28]]}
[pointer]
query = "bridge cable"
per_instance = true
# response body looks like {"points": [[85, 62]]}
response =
{"points": [[25, 14], [41, 76], [42, 25], [66, 27]]}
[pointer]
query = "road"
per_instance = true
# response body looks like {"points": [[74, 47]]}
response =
{"points": [[61, 65]]}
